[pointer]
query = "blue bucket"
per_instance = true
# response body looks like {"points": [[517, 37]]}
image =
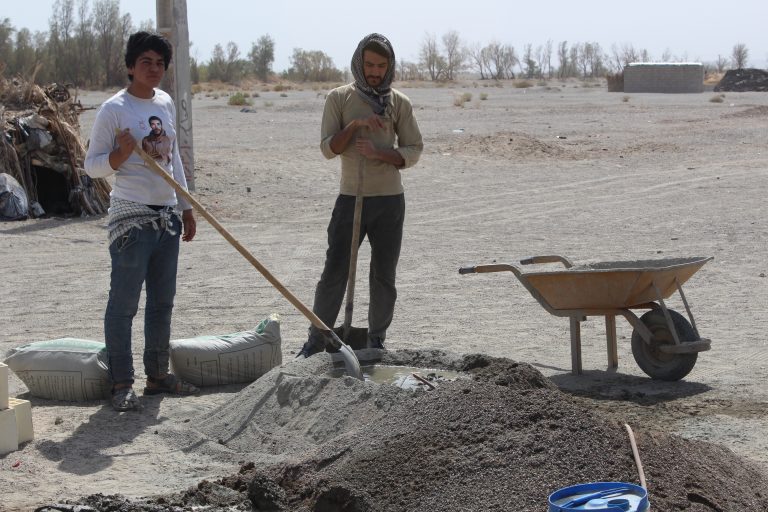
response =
{"points": [[603, 496]]}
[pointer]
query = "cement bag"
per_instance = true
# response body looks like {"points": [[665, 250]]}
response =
{"points": [[13, 199], [229, 358], [64, 369]]}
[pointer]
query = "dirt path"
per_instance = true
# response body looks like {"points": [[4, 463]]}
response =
{"points": [[565, 170]]}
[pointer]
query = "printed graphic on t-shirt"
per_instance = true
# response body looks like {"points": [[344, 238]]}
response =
{"points": [[157, 144]]}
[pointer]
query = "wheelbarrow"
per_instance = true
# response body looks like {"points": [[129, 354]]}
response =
{"points": [[665, 344]]}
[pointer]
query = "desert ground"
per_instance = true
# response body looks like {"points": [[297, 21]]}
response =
{"points": [[566, 168]]}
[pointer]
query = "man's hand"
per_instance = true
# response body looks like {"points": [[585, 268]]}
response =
{"points": [[391, 156], [341, 140], [190, 225], [366, 148], [372, 122], [125, 143]]}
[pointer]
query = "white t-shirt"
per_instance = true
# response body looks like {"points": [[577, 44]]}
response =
{"points": [[152, 122]]}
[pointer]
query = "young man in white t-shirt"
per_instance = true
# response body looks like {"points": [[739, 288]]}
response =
{"points": [[144, 221]]}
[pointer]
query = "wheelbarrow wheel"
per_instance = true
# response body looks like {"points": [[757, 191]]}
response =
{"points": [[657, 364]]}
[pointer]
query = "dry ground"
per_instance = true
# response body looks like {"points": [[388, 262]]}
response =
{"points": [[563, 169]]}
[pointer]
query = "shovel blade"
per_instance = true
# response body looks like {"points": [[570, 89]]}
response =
{"points": [[351, 363]]}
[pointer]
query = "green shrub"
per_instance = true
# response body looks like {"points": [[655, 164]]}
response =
{"points": [[625, 99], [283, 95], [716, 99], [238, 99], [483, 96], [522, 84]]}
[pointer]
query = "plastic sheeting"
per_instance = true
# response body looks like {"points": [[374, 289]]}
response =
{"points": [[14, 204]]}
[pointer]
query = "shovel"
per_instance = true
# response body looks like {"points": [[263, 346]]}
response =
{"points": [[350, 359], [356, 337]]}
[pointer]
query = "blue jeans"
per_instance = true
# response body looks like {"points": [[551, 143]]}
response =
{"points": [[142, 255], [382, 222]]}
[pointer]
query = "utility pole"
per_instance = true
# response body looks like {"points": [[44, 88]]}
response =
{"points": [[172, 23]]}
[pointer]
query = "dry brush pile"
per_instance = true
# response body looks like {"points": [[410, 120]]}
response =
{"points": [[41, 149]]}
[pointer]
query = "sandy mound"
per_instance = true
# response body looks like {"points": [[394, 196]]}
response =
{"points": [[504, 437]]}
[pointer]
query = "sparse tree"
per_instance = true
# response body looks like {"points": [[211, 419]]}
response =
{"points": [[85, 46], [477, 57], [226, 65], [562, 58], [106, 16], [573, 61], [6, 40], [455, 55], [527, 63], [61, 44], [500, 59], [409, 71], [430, 58], [548, 57], [262, 56], [721, 63], [739, 55], [25, 59], [312, 66]]}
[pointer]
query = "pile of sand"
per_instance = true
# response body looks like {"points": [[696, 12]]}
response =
{"points": [[504, 438]]}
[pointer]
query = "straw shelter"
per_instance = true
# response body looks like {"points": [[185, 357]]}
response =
{"points": [[42, 150]]}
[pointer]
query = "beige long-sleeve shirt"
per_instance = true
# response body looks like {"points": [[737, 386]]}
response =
{"points": [[401, 132]]}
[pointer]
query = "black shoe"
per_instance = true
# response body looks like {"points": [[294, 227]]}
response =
{"points": [[376, 343], [310, 348]]}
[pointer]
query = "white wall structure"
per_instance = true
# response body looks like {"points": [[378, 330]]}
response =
{"points": [[664, 77]]}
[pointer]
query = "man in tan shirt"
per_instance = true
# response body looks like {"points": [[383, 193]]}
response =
{"points": [[369, 120]]}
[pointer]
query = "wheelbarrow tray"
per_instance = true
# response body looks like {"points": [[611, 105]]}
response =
{"points": [[610, 285]]}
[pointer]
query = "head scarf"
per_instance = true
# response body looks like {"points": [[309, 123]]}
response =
{"points": [[376, 97]]}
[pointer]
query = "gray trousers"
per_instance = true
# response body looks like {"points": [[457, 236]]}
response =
{"points": [[382, 222]]}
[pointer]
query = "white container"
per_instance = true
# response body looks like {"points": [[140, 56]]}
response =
{"points": [[23, 409], [3, 386], [9, 432]]}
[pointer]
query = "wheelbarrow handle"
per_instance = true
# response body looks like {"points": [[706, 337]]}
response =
{"points": [[535, 260], [495, 267]]}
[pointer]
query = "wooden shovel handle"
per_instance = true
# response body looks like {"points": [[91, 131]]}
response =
{"points": [[311, 316], [354, 248]]}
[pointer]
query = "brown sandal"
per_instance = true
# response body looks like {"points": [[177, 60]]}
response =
{"points": [[170, 384]]}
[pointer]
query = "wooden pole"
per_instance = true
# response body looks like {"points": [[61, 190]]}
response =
{"points": [[172, 23]]}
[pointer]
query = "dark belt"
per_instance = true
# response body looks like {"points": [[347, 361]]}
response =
{"points": [[158, 207]]}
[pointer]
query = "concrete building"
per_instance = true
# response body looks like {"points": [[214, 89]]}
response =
{"points": [[666, 77]]}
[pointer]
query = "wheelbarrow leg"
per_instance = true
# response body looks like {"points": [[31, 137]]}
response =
{"points": [[610, 336], [576, 345]]}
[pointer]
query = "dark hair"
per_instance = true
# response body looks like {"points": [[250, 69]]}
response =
{"points": [[141, 42], [378, 49], [155, 118]]}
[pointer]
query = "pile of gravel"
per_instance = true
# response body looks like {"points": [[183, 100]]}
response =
{"points": [[502, 439], [743, 80]]}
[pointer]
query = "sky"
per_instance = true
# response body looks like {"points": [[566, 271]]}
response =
{"points": [[692, 31]]}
